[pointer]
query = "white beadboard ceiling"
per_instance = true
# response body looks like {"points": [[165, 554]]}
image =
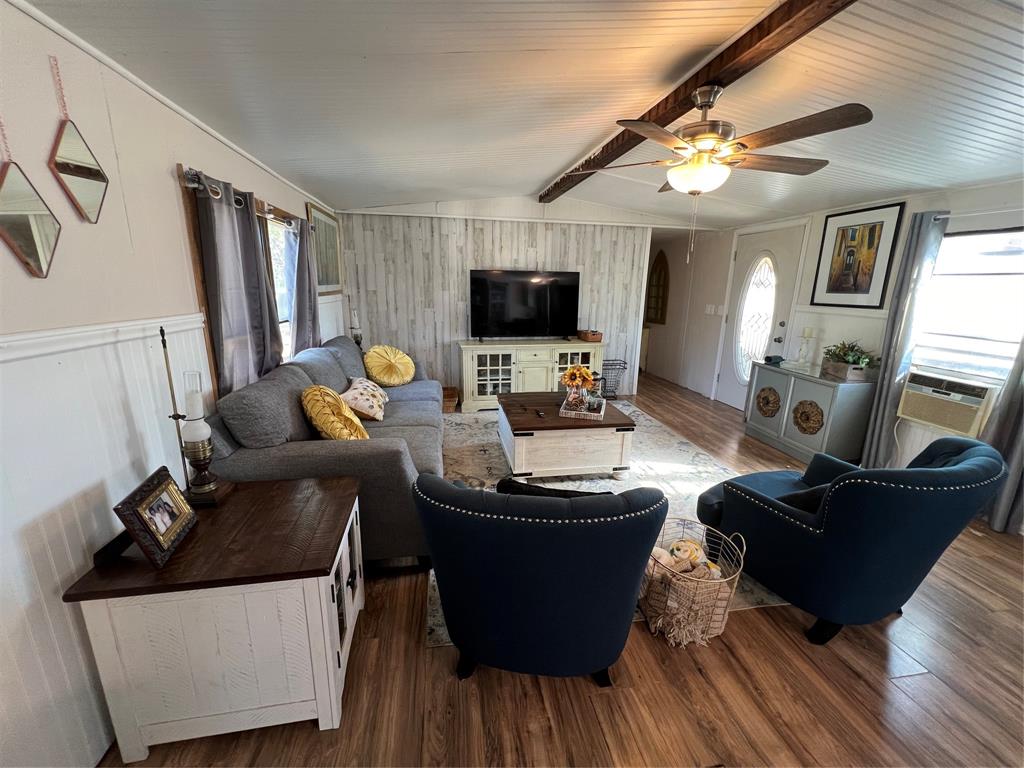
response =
{"points": [[409, 101]]}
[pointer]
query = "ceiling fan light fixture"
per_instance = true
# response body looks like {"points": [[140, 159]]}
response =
{"points": [[699, 175]]}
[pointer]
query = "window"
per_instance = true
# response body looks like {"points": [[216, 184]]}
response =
{"points": [[282, 249], [969, 316], [757, 308], [657, 291]]}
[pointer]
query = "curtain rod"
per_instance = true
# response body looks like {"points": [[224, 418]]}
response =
{"points": [[975, 213], [191, 179]]}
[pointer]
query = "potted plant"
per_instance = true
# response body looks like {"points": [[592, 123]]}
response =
{"points": [[849, 361]]}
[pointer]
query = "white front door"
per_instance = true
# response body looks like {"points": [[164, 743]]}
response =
{"points": [[760, 297]]}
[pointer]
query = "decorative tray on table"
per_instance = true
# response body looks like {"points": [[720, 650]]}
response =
{"points": [[594, 411]]}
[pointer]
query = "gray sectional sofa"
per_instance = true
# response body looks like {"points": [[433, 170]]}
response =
{"points": [[261, 433]]}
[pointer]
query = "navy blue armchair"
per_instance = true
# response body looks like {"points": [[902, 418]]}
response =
{"points": [[544, 586], [850, 545]]}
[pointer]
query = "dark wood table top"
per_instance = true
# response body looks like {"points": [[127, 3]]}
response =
{"points": [[521, 411], [266, 531]]}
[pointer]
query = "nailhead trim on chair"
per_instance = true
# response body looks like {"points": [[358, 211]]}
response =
{"points": [[611, 519], [778, 512], [841, 483]]}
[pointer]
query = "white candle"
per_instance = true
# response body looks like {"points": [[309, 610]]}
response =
{"points": [[355, 318], [808, 333], [194, 405]]}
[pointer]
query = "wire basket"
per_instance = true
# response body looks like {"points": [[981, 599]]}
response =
{"points": [[681, 607], [611, 376]]}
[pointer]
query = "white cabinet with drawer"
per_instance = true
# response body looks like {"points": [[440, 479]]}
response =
{"points": [[801, 414], [492, 368]]}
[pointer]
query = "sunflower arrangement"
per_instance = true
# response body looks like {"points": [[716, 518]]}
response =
{"points": [[578, 377]]}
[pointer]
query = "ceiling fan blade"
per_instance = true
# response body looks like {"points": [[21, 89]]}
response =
{"points": [[666, 187], [837, 118], [654, 132], [799, 166], [652, 163]]}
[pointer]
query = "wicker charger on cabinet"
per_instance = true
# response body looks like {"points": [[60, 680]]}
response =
{"points": [[681, 607]]}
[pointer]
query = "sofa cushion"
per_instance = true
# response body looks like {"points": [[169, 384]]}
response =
{"points": [[330, 415], [366, 399], [348, 355], [411, 413], [424, 445], [268, 412], [322, 367], [415, 390], [389, 366]]}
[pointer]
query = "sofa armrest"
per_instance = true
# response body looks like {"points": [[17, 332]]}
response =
{"points": [[823, 469], [322, 458]]}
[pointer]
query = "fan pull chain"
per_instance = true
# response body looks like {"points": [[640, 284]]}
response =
{"points": [[58, 83], [5, 148], [693, 227]]}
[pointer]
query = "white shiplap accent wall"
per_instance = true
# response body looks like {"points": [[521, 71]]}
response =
{"points": [[83, 420], [410, 279]]}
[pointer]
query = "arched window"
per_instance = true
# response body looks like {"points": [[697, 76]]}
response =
{"points": [[657, 291], [757, 309]]}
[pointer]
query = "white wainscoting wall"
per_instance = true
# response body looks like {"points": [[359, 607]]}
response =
{"points": [[409, 276], [83, 420], [333, 316]]}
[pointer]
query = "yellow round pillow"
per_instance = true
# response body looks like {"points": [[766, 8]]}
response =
{"points": [[331, 416], [388, 366]]}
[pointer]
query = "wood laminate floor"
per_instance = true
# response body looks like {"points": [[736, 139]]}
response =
{"points": [[941, 685]]}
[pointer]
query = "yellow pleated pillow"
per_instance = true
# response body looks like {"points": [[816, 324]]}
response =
{"points": [[331, 416], [388, 366]]}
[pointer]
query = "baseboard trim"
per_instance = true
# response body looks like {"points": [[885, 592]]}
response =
{"points": [[21, 346]]}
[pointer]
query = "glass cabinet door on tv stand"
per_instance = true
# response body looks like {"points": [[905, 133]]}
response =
{"points": [[494, 373]]}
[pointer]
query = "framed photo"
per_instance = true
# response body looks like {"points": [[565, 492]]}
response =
{"points": [[157, 516], [856, 257], [326, 243]]}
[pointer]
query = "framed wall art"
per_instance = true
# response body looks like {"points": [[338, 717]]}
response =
{"points": [[856, 257], [157, 516]]}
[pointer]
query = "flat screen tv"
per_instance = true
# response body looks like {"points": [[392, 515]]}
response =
{"points": [[512, 303]]}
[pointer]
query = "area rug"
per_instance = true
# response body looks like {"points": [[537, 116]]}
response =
{"points": [[661, 458]]}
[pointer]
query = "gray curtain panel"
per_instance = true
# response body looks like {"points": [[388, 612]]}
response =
{"points": [[305, 308], [239, 289], [1005, 432], [923, 240]]}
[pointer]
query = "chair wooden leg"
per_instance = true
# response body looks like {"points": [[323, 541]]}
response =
{"points": [[602, 677], [465, 667], [822, 631]]}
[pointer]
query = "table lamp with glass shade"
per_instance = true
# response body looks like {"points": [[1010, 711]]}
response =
{"points": [[197, 444]]}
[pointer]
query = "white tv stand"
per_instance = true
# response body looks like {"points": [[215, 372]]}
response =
{"points": [[504, 366]]}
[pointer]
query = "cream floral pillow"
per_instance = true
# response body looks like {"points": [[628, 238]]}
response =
{"points": [[366, 399]]}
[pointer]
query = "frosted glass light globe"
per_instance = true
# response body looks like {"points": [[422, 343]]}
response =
{"points": [[699, 175], [195, 431]]}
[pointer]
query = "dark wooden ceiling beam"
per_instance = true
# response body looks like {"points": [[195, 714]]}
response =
{"points": [[776, 31]]}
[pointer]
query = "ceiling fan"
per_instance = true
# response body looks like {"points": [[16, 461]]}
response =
{"points": [[706, 151]]}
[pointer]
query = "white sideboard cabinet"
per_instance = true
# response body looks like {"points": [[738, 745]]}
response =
{"points": [[505, 366]]}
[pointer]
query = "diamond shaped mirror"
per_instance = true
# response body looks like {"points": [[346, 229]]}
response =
{"points": [[78, 171], [27, 225]]}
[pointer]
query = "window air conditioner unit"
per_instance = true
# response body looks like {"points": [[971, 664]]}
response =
{"points": [[952, 405]]}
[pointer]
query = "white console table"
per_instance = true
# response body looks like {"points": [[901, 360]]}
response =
{"points": [[249, 624], [507, 366]]}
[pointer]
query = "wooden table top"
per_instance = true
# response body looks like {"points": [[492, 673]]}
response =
{"points": [[266, 531], [521, 412]]}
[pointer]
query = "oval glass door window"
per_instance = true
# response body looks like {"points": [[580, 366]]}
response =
{"points": [[757, 308]]}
